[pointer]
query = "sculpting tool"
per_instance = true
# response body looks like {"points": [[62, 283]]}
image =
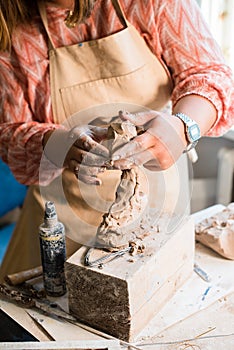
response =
{"points": [[201, 273], [23, 276]]}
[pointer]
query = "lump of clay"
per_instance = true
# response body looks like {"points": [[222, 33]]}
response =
{"points": [[127, 217], [217, 232]]}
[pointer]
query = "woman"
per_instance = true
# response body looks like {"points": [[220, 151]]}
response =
{"points": [[64, 58]]}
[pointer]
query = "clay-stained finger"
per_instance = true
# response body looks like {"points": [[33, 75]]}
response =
{"points": [[74, 155], [134, 160], [88, 175], [91, 159], [85, 158], [99, 133], [88, 144], [88, 137], [83, 170], [137, 145], [154, 158], [76, 168], [73, 166], [139, 118], [90, 171], [89, 180]]}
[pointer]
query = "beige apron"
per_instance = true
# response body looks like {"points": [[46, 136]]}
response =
{"points": [[90, 83]]}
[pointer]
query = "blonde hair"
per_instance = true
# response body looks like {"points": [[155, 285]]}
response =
{"points": [[82, 10], [11, 13], [14, 12]]}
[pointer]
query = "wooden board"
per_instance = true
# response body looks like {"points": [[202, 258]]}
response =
{"points": [[209, 329], [129, 294], [53, 326], [188, 314], [20, 315], [76, 345], [195, 295]]}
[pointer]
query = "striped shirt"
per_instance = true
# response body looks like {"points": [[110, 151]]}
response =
{"points": [[175, 32]]}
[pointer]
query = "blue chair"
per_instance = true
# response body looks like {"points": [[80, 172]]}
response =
{"points": [[12, 195]]}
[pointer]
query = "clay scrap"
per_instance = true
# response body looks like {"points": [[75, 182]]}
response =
{"points": [[127, 217], [217, 232]]}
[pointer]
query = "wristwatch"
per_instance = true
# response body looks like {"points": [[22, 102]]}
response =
{"points": [[192, 131]]}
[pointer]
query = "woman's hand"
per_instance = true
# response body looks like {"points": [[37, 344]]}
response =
{"points": [[158, 147], [79, 150]]}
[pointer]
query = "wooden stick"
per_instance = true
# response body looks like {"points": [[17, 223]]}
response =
{"points": [[23, 276]]}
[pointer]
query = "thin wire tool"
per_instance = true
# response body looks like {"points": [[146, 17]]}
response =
{"points": [[104, 259]]}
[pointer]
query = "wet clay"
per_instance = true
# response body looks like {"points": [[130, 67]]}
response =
{"points": [[217, 232], [127, 217]]}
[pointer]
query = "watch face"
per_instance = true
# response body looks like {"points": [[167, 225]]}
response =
{"points": [[194, 133]]}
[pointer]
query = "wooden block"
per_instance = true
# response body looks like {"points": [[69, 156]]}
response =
{"points": [[124, 296], [58, 345]]}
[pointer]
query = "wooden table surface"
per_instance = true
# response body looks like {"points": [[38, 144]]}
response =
{"points": [[199, 316]]}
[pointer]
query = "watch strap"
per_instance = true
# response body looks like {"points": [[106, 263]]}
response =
{"points": [[190, 126]]}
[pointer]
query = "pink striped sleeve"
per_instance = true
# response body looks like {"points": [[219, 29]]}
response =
{"points": [[195, 60], [21, 136], [177, 33]]}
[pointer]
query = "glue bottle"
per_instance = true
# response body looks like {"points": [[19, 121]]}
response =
{"points": [[53, 252]]}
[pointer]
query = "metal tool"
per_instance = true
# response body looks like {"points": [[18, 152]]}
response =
{"points": [[52, 309], [104, 259], [201, 273], [29, 299]]}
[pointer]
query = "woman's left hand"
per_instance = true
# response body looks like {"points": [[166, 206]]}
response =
{"points": [[158, 147]]}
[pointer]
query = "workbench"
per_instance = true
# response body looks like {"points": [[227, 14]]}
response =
{"points": [[199, 316]]}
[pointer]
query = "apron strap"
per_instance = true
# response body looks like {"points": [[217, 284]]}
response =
{"points": [[120, 13], [42, 11]]}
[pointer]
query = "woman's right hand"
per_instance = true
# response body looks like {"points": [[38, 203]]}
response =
{"points": [[79, 150]]}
